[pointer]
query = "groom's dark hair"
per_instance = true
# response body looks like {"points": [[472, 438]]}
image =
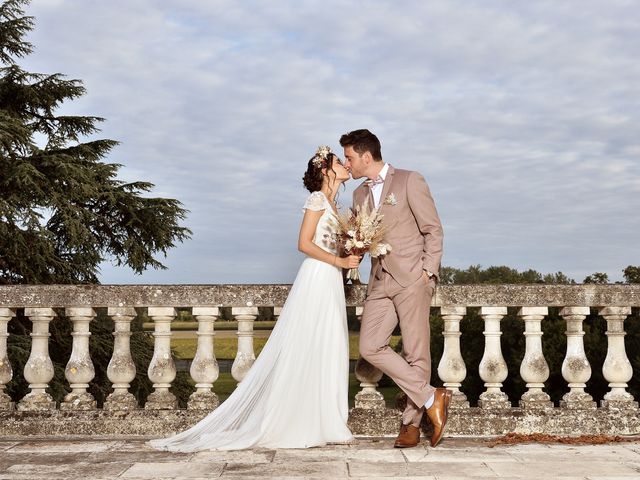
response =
{"points": [[362, 141]]}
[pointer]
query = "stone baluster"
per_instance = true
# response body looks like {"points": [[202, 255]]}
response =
{"points": [[38, 370], [245, 316], [452, 369], [617, 369], [493, 368], [369, 398], [121, 369], [204, 368], [534, 368], [6, 372], [162, 369], [576, 369], [79, 370]]}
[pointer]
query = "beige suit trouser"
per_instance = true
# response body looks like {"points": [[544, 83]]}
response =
{"points": [[387, 303]]}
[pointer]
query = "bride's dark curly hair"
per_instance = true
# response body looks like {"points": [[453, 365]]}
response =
{"points": [[313, 176]]}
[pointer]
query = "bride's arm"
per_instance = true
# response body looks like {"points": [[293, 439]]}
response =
{"points": [[306, 245]]}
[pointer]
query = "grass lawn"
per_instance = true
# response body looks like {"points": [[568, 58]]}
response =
{"points": [[220, 325], [225, 385], [226, 348]]}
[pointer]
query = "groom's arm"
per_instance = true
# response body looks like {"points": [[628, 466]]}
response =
{"points": [[424, 210]]}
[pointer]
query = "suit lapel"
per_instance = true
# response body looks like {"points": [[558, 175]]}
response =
{"points": [[369, 197], [364, 195]]}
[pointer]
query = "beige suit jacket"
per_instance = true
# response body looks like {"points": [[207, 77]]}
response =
{"points": [[414, 230]]}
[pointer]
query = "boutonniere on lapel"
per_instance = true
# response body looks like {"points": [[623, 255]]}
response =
{"points": [[390, 200]]}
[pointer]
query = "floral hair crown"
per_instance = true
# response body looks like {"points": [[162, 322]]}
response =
{"points": [[322, 154]]}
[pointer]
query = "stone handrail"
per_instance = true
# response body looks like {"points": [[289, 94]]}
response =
{"points": [[577, 412], [269, 295]]}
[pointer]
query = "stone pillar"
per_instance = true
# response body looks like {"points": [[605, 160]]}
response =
{"points": [[204, 368], [245, 316], [369, 398], [38, 370], [617, 369], [493, 368], [576, 369], [162, 369], [451, 369], [276, 313], [534, 368], [79, 370], [121, 369], [6, 372]]}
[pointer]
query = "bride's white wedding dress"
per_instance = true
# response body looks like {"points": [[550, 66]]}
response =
{"points": [[296, 393]]}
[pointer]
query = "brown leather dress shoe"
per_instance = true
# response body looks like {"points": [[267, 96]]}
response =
{"points": [[438, 414], [409, 436]]}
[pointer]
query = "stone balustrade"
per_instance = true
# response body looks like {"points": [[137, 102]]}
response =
{"points": [[577, 412]]}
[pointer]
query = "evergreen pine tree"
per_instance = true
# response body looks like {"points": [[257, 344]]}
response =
{"points": [[62, 209], [62, 212]]}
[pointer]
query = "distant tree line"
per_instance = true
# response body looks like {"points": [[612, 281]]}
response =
{"points": [[475, 274]]}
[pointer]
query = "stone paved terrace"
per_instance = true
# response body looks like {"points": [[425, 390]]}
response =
{"points": [[459, 458]]}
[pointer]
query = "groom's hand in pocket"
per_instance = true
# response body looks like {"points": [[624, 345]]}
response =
{"points": [[430, 281]]}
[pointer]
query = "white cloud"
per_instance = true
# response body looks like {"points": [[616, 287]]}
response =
{"points": [[522, 116]]}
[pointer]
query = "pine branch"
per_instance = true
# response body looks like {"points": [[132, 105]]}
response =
{"points": [[13, 26]]}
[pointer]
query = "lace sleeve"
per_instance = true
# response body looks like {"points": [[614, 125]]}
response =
{"points": [[315, 202]]}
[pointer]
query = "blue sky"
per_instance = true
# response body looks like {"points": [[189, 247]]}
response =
{"points": [[523, 118]]}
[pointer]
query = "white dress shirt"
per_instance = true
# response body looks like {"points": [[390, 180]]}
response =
{"points": [[376, 190]]}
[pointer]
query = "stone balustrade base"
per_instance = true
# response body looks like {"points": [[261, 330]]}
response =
{"points": [[98, 422], [555, 421], [363, 422]]}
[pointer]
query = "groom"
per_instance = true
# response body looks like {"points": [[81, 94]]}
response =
{"points": [[401, 283]]}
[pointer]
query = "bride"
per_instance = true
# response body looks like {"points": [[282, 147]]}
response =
{"points": [[295, 394]]}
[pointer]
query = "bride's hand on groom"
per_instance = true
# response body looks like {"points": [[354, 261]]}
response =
{"points": [[350, 261]]}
